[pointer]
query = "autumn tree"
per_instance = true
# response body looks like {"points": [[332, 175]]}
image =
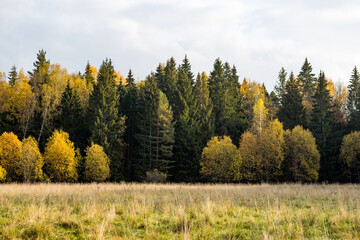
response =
{"points": [[260, 119], [97, 164], [59, 158], [302, 159], [2, 174], [251, 167], [271, 148], [10, 156], [31, 160], [350, 157], [218, 158]]}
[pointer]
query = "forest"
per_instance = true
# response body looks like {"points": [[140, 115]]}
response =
{"points": [[176, 125]]}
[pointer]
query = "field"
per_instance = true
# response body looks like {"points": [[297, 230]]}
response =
{"points": [[151, 211]]}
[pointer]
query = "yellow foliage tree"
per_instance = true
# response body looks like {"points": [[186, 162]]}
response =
{"points": [[271, 144], [97, 164], [31, 160], [218, 158], [2, 174], [82, 88], [251, 167], [302, 159], [10, 153], [59, 158], [350, 157], [260, 117]]}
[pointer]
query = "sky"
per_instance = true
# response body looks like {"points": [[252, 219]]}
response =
{"points": [[257, 36]]}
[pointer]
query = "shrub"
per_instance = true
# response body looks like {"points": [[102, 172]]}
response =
{"points": [[155, 176]]}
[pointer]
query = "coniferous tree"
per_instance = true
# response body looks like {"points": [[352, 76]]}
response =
{"points": [[321, 127], [89, 75], [38, 77], [106, 126], [204, 108], [128, 107], [13, 76], [291, 110], [70, 115], [228, 111], [307, 79], [186, 66], [187, 146], [353, 101], [280, 84], [155, 134]]}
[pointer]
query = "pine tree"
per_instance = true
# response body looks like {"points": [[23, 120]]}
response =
{"points": [[128, 107], [291, 110], [353, 101], [106, 126], [13, 76], [321, 126]]}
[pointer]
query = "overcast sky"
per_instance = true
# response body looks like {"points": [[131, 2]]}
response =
{"points": [[258, 37]]}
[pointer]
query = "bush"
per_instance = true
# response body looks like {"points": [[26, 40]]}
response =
{"points": [[155, 176]]}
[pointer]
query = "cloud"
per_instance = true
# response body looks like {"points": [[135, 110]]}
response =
{"points": [[259, 36]]}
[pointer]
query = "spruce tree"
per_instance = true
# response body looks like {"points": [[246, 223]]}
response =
{"points": [[228, 111], [186, 66], [89, 75], [280, 84], [70, 115], [128, 107], [187, 146], [155, 130], [291, 110], [307, 79], [204, 108], [321, 127], [353, 101], [13, 76], [106, 126]]}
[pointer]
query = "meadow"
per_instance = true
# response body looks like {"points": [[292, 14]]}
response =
{"points": [[179, 211]]}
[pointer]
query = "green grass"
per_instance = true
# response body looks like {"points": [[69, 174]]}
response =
{"points": [[150, 211]]}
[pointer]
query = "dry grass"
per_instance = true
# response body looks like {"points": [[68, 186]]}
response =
{"points": [[151, 211]]}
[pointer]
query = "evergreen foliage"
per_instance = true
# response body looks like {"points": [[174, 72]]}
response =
{"points": [[292, 111], [106, 126]]}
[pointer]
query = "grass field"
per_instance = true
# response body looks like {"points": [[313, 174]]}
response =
{"points": [[150, 211]]}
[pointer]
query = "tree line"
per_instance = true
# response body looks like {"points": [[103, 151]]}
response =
{"points": [[99, 125]]}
